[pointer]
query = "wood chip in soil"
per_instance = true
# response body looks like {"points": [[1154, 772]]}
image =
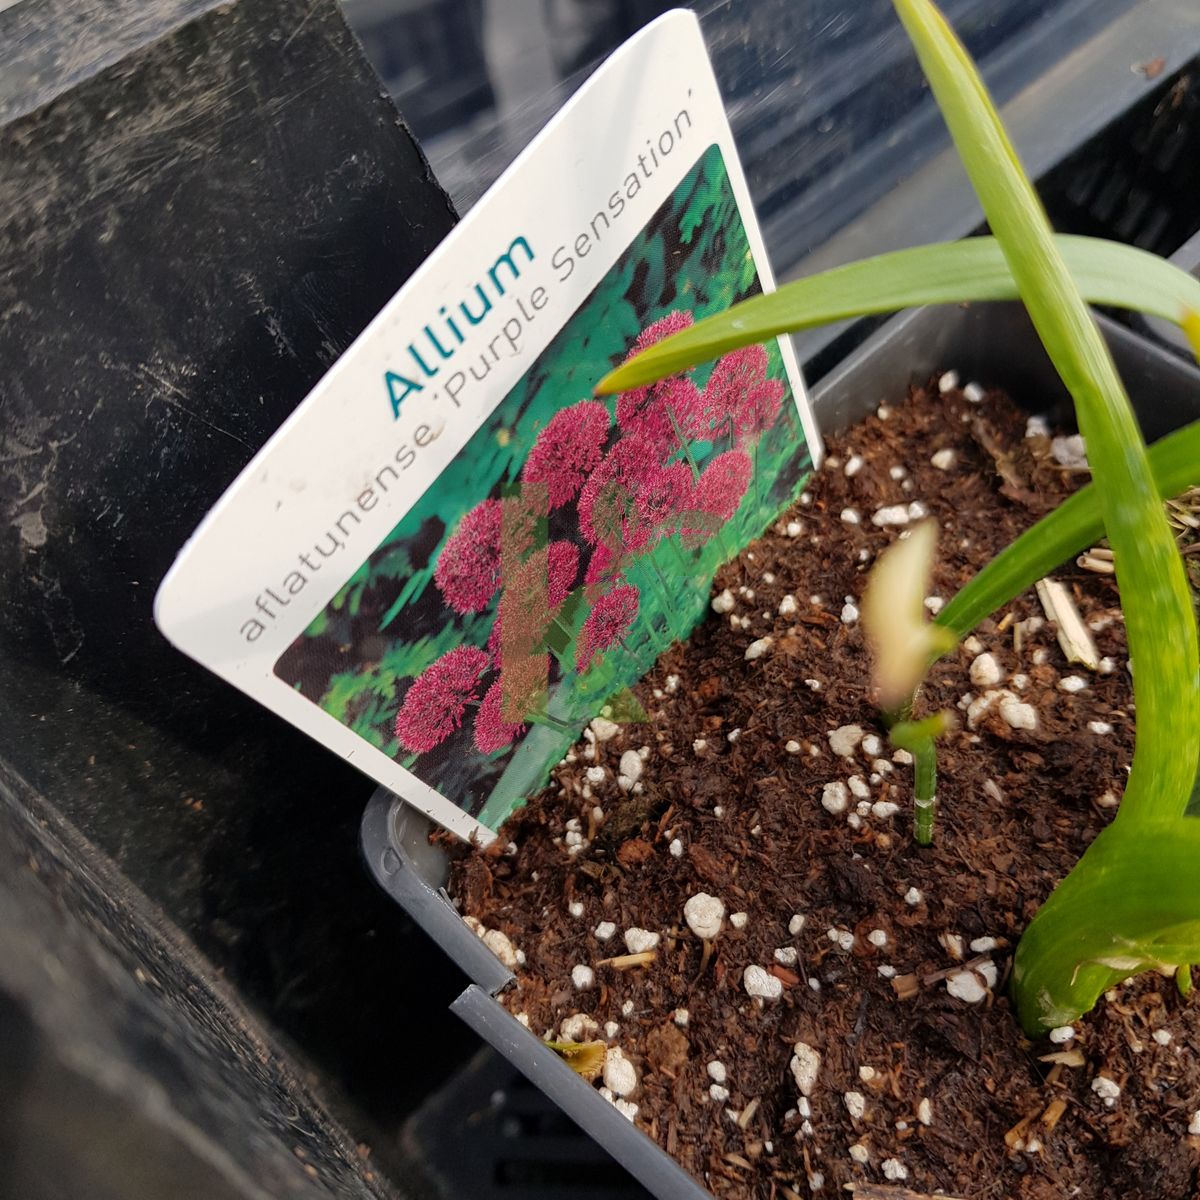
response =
{"points": [[735, 759]]}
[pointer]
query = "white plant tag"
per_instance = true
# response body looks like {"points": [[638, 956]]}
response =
{"points": [[454, 462]]}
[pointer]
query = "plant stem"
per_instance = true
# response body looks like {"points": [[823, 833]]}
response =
{"points": [[924, 791], [919, 738]]}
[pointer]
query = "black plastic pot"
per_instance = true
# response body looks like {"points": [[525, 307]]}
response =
{"points": [[994, 344]]}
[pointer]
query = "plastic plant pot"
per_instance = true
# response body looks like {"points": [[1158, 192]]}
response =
{"points": [[992, 343]]}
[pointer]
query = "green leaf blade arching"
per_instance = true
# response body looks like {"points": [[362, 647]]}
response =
{"points": [[974, 269], [1131, 902], [1159, 621]]}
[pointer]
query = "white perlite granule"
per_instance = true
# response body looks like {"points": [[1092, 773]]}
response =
{"points": [[704, 915], [738, 920], [856, 1105], [893, 1169], [985, 671], [834, 798], [724, 602], [583, 977], [605, 930], [620, 1075], [604, 729], [1062, 1034], [758, 648], [796, 924], [578, 1027], [1016, 714], [761, 984], [967, 986], [844, 740], [805, 1067], [499, 944], [637, 941], [1107, 1089], [891, 514]]}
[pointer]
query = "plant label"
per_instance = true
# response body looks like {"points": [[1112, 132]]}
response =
{"points": [[452, 557]]}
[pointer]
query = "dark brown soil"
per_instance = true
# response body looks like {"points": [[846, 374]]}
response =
{"points": [[1018, 806]]}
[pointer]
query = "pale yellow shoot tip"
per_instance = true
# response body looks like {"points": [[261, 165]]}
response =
{"points": [[903, 642]]}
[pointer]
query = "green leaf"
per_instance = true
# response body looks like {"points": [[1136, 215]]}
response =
{"points": [[1129, 905], [1159, 622], [943, 273], [1076, 524]]}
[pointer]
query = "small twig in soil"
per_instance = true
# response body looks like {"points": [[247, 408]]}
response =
{"points": [[622, 962]]}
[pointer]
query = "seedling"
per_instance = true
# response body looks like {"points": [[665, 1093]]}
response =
{"points": [[1130, 904]]}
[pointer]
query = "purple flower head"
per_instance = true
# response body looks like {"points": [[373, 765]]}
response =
{"points": [[606, 624], [603, 564], [492, 731], [716, 495], [436, 700], [646, 411], [658, 413], [674, 322], [739, 392], [568, 450], [607, 505], [662, 497], [468, 568]]}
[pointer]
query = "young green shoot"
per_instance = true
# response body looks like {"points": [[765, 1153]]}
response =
{"points": [[903, 644], [919, 738]]}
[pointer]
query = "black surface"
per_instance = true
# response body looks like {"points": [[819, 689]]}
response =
{"points": [[125, 1072], [197, 215]]}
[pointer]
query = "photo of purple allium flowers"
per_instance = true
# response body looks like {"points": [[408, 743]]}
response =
{"points": [[573, 539]]}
